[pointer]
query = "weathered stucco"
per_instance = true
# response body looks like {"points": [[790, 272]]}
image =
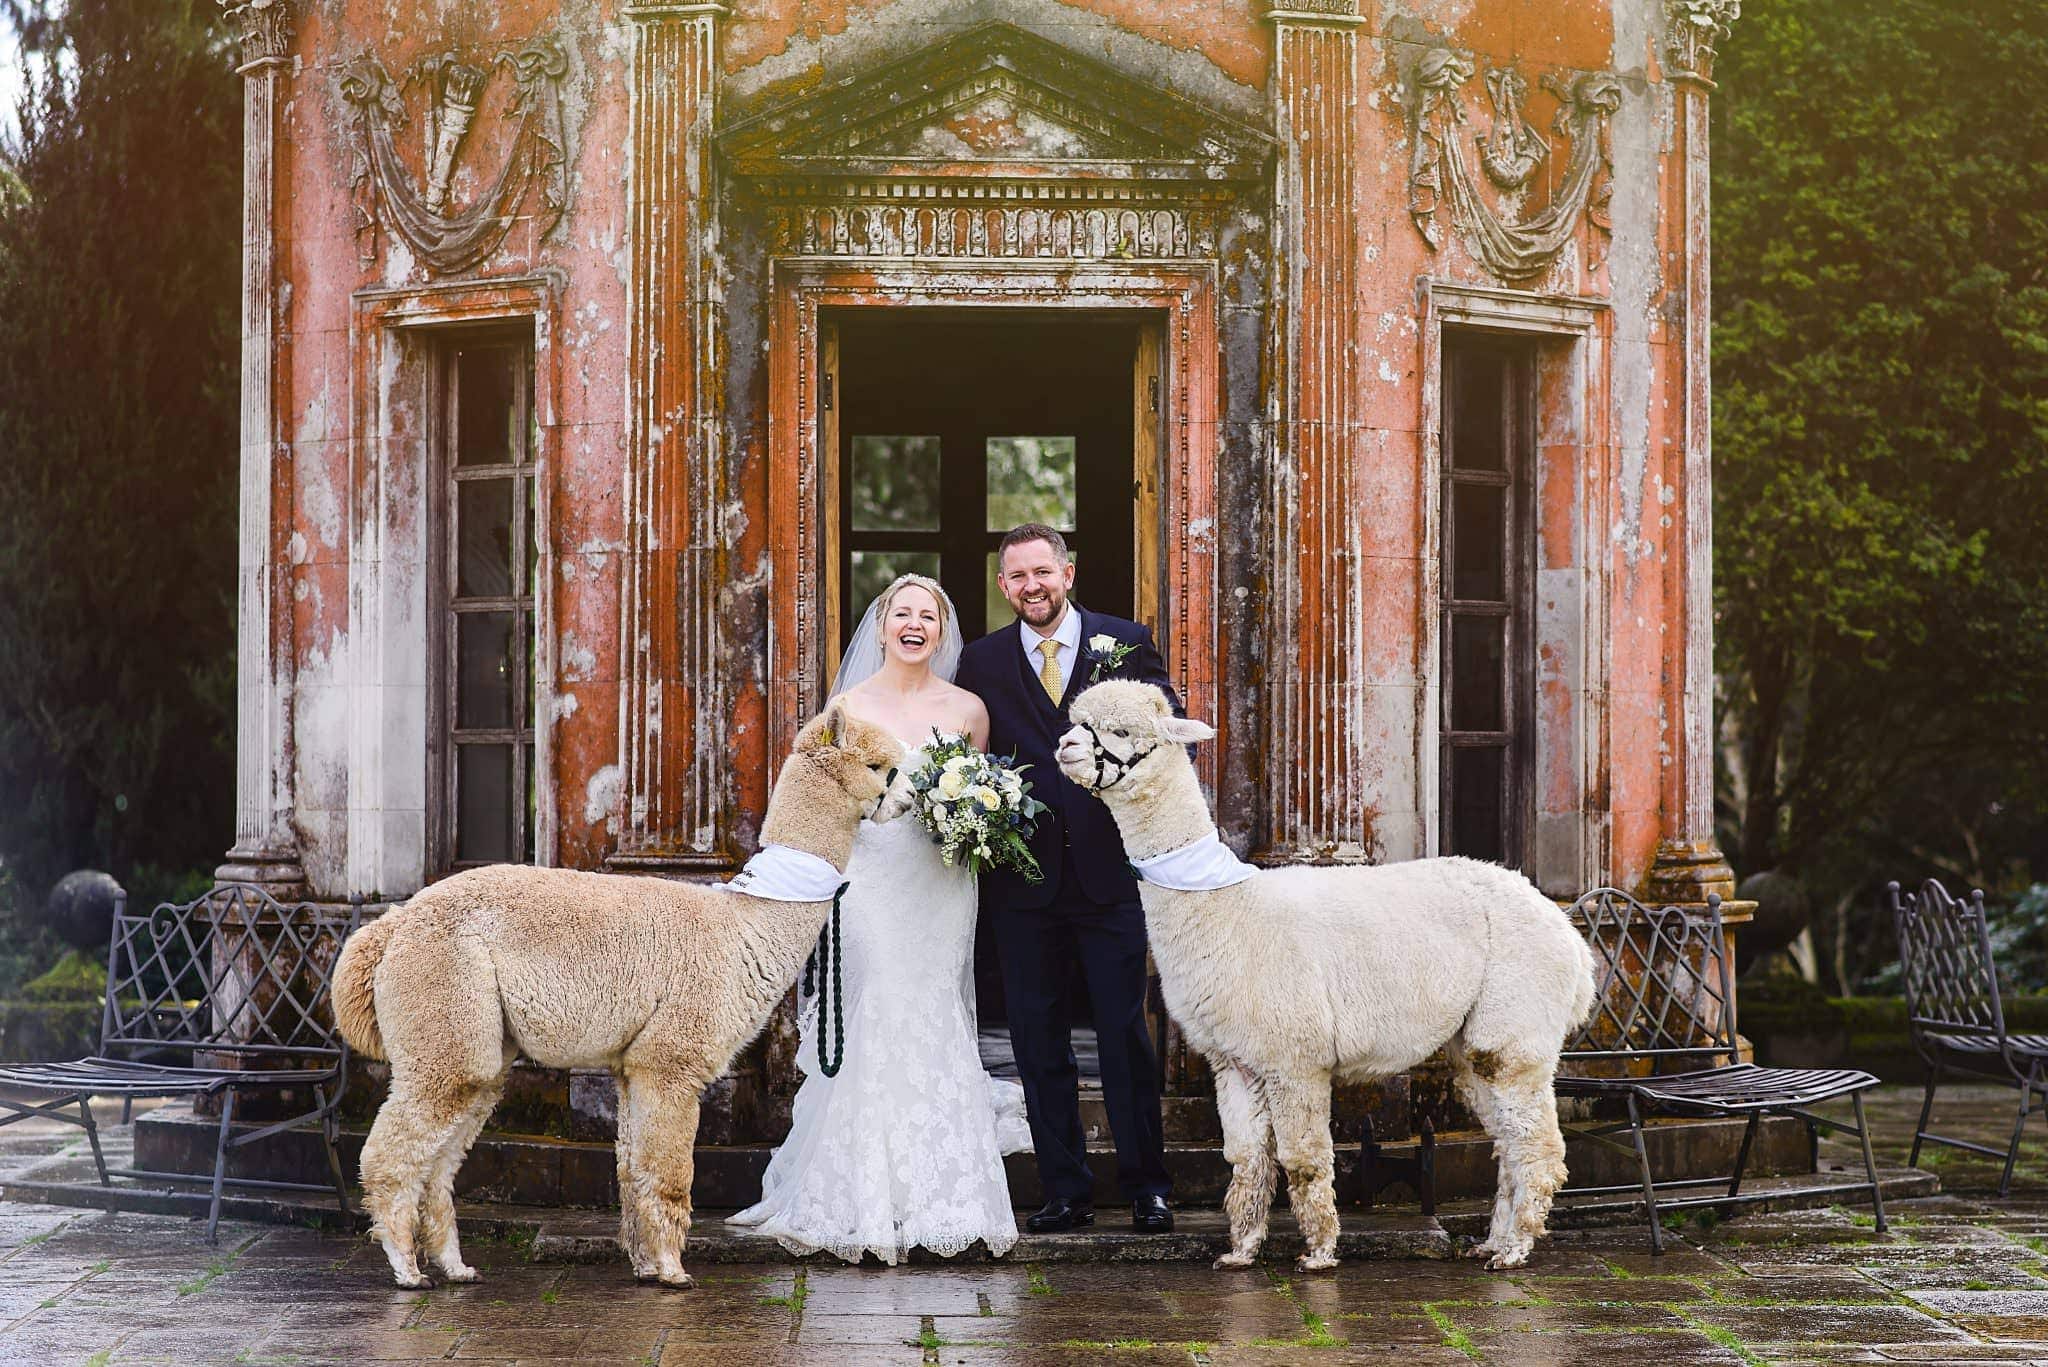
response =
{"points": [[1285, 195]]}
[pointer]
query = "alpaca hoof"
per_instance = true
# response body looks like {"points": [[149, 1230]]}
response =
{"points": [[1315, 1262], [680, 1281], [1507, 1258], [1233, 1259], [413, 1281], [460, 1272], [1479, 1251]]}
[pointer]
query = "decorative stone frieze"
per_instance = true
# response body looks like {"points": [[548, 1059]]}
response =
{"points": [[1510, 242], [263, 28], [1080, 233], [388, 196], [1697, 30]]}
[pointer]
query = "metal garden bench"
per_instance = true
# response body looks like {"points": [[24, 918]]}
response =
{"points": [[1954, 1013], [220, 996], [1666, 1000]]}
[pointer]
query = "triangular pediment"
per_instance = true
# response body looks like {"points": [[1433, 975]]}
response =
{"points": [[999, 100]]}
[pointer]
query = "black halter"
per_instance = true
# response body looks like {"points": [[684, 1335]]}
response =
{"points": [[1107, 760]]}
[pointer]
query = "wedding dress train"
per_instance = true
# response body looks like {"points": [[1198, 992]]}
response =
{"points": [[903, 1148]]}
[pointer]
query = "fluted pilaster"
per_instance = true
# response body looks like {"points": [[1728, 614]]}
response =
{"points": [[1314, 688], [676, 766]]}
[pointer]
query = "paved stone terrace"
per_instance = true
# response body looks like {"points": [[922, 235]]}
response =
{"points": [[1961, 1278]]}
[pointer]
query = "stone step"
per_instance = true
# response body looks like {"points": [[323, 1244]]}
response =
{"points": [[543, 1171]]}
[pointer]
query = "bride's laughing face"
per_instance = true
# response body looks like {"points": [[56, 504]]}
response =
{"points": [[913, 626]]}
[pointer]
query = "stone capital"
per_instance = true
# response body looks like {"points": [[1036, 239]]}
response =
{"points": [[1311, 13], [658, 11], [1698, 27], [263, 28]]}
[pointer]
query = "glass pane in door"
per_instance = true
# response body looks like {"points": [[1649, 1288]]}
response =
{"points": [[895, 484], [869, 572], [1031, 479]]}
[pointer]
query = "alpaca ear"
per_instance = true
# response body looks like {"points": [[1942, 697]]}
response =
{"points": [[1184, 730]]}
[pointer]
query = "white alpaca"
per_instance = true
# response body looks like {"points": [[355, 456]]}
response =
{"points": [[1292, 977], [662, 982]]}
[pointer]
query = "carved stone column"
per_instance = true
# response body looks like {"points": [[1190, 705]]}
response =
{"points": [[1689, 863], [1314, 693], [673, 711], [266, 845]]}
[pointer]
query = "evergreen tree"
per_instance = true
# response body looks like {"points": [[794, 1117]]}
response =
{"points": [[1881, 448], [119, 284]]}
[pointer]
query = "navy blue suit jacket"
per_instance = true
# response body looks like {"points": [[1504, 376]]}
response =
{"points": [[1023, 719]]}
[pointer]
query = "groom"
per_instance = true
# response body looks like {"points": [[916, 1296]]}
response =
{"points": [[1087, 908]]}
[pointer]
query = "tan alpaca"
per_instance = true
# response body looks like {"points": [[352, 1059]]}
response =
{"points": [[1298, 976], [661, 982]]}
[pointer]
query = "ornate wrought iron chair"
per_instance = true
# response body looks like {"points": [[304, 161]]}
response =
{"points": [[1954, 1012], [201, 999], [1666, 1000]]}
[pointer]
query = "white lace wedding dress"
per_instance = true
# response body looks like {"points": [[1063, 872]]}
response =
{"points": [[903, 1148]]}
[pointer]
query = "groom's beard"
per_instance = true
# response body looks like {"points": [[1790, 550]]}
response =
{"points": [[1045, 613]]}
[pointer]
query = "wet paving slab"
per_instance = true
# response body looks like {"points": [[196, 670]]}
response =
{"points": [[1958, 1278]]}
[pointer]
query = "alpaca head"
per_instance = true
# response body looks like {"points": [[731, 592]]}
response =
{"points": [[1116, 726], [860, 758]]}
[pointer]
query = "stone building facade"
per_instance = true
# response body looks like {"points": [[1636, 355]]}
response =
{"points": [[598, 354]]}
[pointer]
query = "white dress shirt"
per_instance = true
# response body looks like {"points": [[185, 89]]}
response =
{"points": [[1067, 633]]}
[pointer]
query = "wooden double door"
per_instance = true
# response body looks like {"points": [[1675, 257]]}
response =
{"points": [[953, 426]]}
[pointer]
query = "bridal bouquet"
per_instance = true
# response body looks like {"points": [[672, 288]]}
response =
{"points": [[978, 808]]}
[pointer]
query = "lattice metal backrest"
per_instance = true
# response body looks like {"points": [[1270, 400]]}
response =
{"points": [[1663, 984], [1951, 978], [234, 970]]}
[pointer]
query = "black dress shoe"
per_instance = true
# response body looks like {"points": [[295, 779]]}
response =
{"points": [[1060, 1213], [1151, 1215]]}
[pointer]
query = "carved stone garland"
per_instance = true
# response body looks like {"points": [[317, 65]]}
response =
{"points": [[1441, 172], [384, 190]]}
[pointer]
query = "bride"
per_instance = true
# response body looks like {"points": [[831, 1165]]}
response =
{"points": [[903, 1147]]}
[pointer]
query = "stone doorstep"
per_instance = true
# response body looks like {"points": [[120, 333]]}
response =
{"points": [[542, 1171]]}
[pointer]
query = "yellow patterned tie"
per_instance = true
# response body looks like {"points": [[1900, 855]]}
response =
{"points": [[1049, 672]]}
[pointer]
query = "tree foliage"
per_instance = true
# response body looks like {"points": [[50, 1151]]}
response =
{"points": [[1881, 447], [119, 271]]}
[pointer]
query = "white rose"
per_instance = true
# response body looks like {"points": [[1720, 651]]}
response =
{"points": [[1102, 643], [986, 796], [952, 783]]}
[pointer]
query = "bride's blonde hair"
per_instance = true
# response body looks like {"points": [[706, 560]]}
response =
{"points": [[903, 581]]}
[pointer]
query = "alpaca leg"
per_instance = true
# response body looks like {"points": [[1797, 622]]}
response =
{"points": [[662, 1166], [1248, 1148], [437, 1218], [1522, 1118], [1479, 1099], [629, 1209], [1301, 1134], [398, 1157]]}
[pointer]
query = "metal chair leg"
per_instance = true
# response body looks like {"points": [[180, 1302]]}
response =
{"points": [[330, 1135], [127, 1109], [1635, 1122], [2019, 1126], [1742, 1154], [220, 1166], [1869, 1163], [92, 1136], [1926, 1110]]}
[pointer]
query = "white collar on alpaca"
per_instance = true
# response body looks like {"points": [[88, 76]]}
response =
{"points": [[1204, 866], [782, 873]]}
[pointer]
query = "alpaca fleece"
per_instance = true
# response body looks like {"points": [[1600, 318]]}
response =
{"points": [[662, 982], [1301, 976]]}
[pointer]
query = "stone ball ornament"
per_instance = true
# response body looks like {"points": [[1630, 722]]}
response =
{"points": [[80, 908]]}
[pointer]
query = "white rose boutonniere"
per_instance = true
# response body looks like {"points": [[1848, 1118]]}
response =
{"points": [[1106, 652]]}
